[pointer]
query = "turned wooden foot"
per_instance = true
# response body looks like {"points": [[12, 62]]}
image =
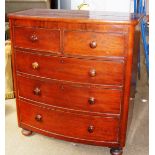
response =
{"points": [[26, 132], [116, 151]]}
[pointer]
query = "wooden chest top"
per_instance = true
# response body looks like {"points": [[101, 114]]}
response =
{"points": [[77, 16]]}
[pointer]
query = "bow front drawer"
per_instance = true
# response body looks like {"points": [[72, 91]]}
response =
{"points": [[71, 69], [94, 43], [37, 38], [71, 125], [71, 96]]}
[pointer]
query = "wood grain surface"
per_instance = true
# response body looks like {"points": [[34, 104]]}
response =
{"points": [[72, 73]]}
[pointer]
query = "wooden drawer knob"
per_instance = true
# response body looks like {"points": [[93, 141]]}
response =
{"points": [[91, 100], [38, 118], [93, 44], [92, 72], [37, 91], [35, 65], [33, 38], [91, 129]]}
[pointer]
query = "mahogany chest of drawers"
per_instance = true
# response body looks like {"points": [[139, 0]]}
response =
{"points": [[72, 74]]}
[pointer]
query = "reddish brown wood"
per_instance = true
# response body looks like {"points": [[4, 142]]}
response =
{"points": [[81, 43], [72, 74], [37, 38], [15, 87], [70, 95], [136, 53], [71, 69], [95, 27], [70, 124], [128, 71], [134, 77]]}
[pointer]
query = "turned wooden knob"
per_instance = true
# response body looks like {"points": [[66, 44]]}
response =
{"points": [[35, 65], [92, 72], [91, 129], [33, 38], [93, 44], [91, 100], [37, 91], [38, 118]]}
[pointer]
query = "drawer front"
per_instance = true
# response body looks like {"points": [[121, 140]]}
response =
{"points": [[37, 38], [93, 43], [71, 69], [68, 124], [70, 96]]}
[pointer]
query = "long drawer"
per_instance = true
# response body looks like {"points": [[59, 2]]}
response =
{"points": [[71, 69], [37, 38], [70, 96], [94, 128], [96, 44]]}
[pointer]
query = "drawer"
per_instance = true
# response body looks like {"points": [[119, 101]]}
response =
{"points": [[94, 43], [94, 128], [70, 95], [71, 69], [37, 38]]}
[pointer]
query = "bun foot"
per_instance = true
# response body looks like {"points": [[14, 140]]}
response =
{"points": [[26, 132], [116, 151]]}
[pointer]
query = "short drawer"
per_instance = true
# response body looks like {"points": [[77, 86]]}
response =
{"points": [[71, 69], [94, 43], [37, 38], [94, 128], [70, 96]]}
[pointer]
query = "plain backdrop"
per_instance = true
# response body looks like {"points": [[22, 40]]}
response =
{"points": [[99, 5]]}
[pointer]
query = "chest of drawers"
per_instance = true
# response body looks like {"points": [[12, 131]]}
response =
{"points": [[72, 74]]}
